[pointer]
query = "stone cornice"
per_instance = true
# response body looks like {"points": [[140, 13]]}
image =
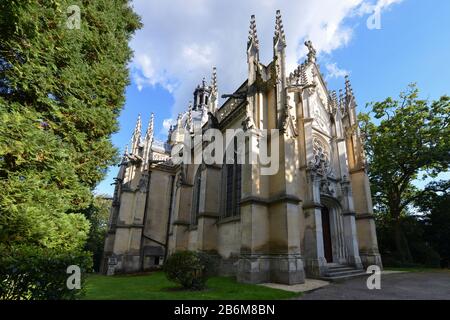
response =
{"points": [[229, 220], [208, 215], [361, 216], [312, 205], [129, 226], [181, 223], [273, 200]]}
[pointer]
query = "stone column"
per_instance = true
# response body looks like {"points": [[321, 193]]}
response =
{"points": [[181, 217], [253, 263], [209, 209], [350, 231], [365, 223], [285, 210], [313, 250]]}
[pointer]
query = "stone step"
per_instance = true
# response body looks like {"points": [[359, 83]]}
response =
{"points": [[342, 272], [341, 268], [341, 276]]}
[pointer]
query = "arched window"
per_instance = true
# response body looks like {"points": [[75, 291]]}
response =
{"points": [[196, 197], [232, 185]]}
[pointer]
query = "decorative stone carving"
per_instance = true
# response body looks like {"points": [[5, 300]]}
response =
{"points": [[289, 124], [321, 155], [311, 52], [326, 187], [143, 182]]}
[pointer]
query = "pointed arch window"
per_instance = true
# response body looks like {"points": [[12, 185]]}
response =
{"points": [[232, 186], [196, 197]]}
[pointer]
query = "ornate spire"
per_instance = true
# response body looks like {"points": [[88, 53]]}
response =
{"points": [[136, 134], [311, 52], [342, 101], [190, 121], [138, 127], [214, 80], [253, 36], [332, 101], [214, 99], [149, 133], [348, 87], [279, 37], [125, 152], [179, 120]]}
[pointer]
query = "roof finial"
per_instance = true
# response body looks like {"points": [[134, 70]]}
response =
{"points": [[279, 30], [348, 86], [190, 121], [179, 120], [311, 52], [138, 126], [149, 133], [253, 36], [213, 102], [214, 80], [137, 131]]}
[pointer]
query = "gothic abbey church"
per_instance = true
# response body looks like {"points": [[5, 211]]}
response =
{"points": [[312, 218]]}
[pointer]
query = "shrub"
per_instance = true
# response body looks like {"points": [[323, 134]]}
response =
{"points": [[188, 268], [31, 273]]}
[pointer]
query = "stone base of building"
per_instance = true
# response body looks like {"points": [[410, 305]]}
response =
{"points": [[369, 259], [285, 269], [315, 268], [117, 264], [354, 261]]}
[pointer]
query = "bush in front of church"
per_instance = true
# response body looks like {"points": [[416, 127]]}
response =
{"points": [[188, 268], [33, 273]]}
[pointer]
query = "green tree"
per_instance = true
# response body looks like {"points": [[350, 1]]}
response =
{"points": [[61, 90], [434, 204], [409, 138], [98, 216]]}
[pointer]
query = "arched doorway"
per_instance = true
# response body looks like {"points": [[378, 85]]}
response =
{"points": [[326, 235]]}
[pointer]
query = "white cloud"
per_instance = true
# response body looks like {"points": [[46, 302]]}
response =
{"points": [[167, 123], [370, 7], [333, 71], [182, 40]]}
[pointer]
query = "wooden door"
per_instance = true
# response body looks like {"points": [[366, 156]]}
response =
{"points": [[326, 231]]}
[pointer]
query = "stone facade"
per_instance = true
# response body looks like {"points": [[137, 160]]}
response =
{"points": [[316, 211]]}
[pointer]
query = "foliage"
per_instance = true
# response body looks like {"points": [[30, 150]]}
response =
{"points": [[61, 90], [98, 215], [409, 138], [422, 253], [30, 273], [434, 204], [156, 286], [188, 268]]}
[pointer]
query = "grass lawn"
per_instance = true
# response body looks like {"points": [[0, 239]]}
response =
{"points": [[155, 286]]}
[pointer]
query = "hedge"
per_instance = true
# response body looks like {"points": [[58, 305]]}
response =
{"points": [[31, 273]]}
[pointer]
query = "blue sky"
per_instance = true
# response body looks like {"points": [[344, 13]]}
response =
{"points": [[175, 49]]}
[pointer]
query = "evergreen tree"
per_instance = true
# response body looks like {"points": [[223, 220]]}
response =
{"points": [[62, 83]]}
